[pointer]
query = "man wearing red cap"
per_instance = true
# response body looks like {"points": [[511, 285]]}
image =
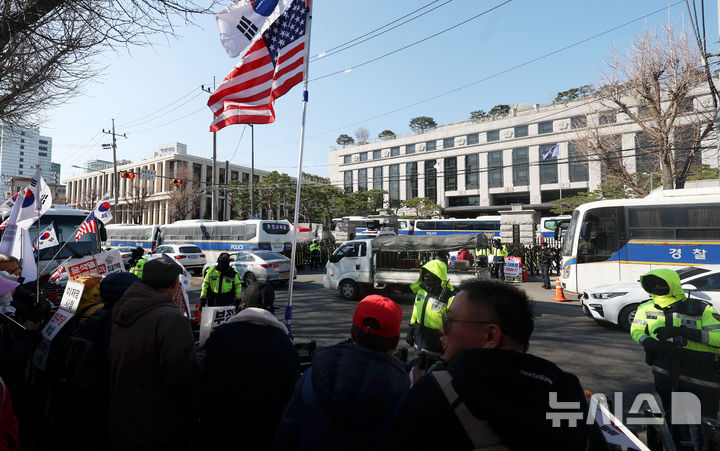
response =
{"points": [[349, 396]]}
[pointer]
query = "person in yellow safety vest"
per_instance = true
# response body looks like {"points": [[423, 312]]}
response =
{"points": [[314, 255], [221, 285], [681, 338], [139, 265], [499, 252], [433, 294]]}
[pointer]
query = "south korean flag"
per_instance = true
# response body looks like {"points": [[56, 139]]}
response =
{"points": [[102, 210], [47, 238]]}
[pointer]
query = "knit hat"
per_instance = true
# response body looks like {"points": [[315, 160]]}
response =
{"points": [[161, 270], [113, 286], [379, 316]]}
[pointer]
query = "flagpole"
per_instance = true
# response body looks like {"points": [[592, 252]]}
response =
{"points": [[37, 246], [288, 309]]}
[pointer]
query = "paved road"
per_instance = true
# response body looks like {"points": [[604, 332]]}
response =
{"points": [[606, 360]]}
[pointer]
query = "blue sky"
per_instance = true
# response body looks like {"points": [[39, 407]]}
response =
{"points": [[153, 92]]}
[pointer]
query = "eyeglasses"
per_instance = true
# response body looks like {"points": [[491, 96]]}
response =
{"points": [[447, 321]]}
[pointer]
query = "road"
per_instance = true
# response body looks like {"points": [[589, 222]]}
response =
{"points": [[606, 360]]}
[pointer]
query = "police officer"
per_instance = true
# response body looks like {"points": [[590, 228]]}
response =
{"points": [[221, 285], [314, 254], [137, 262], [433, 295], [681, 338], [544, 259], [499, 252]]}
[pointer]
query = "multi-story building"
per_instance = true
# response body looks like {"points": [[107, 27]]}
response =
{"points": [[168, 162], [22, 151], [479, 167], [99, 165]]}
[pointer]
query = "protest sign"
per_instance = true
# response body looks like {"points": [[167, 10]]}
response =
{"points": [[513, 269], [211, 318]]}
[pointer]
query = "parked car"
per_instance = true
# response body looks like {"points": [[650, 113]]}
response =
{"points": [[617, 303], [125, 254], [191, 257], [262, 266]]}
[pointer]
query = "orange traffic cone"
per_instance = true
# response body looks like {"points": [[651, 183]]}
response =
{"points": [[525, 276], [559, 295]]}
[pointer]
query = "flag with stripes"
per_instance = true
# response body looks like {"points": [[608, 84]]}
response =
{"points": [[57, 274], [4, 224], [271, 66], [88, 226]]}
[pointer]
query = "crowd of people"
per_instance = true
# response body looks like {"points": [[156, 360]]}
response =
{"points": [[127, 373]]}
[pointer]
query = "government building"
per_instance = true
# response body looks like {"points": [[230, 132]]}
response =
{"points": [[472, 168]]}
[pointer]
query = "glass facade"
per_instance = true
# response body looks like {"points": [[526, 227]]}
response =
{"points": [[431, 145], [347, 159], [348, 181], [473, 138], [394, 151], [448, 143], [377, 154], [577, 164], [495, 169], [362, 180], [549, 167], [493, 135], [411, 183], [545, 127], [521, 131], [363, 156], [410, 148], [521, 166], [378, 177], [394, 182], [431, 180], [450, 173], [472, 166]]}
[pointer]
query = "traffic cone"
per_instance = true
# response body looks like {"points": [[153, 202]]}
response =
{"points": [[525, 276], [559, 295]]}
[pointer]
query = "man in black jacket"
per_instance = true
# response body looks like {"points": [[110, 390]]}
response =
{"points": [[502, 393], [348, 398], [154, 372], [544, 260]]}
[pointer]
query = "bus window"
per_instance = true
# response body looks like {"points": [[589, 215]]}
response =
{"points": [[250, 231], [598, 238]]}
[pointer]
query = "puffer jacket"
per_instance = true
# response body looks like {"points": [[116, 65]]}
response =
{"points": [[154, 373], [345, 401]]}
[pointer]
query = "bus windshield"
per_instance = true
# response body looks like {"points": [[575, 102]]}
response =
{"points": [[65, 227], [570, 236]]}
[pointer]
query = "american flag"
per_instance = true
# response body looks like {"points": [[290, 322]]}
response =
{"points": [[88, 226], [4, 224], [271, 66]]}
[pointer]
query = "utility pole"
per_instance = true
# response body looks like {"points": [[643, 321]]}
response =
{"points": [[115, 180], [213, 197]]}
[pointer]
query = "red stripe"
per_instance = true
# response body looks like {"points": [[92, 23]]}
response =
{"points": [[290, 53], [287, 85], [221, 94], [289, 68], [258, 45], [232, 120]]}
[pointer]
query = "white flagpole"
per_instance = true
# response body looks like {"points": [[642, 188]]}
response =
{"points": [[288, 309]]}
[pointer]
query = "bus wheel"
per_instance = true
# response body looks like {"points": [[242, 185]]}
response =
{"points": [[349, 290], [626, 316], [249, 278]]}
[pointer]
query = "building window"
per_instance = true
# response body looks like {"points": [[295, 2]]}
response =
{"points": [[21, 160], [363, 156], [549, 167], [521, 131], [578, 122], [20, 166], [20, 172], [464, 201], [377, 154], [431, 180], [347, 159], [577, 164], [42, 141], [431, 145], [607, 117], [450, 175], [42, 154], [495, 169], [348, 182], [42, 147], [684, 139], [493, 135], [378, 177], [394, 151], [545, 127], [362, 180], [394, 182], [22, 153], [22, 147], [411, 177], [22, 140], [473, 138], [643, 112], [410, 148], [448, 143], [646, 154], [521, 166], [685, 105], [471, 172]]}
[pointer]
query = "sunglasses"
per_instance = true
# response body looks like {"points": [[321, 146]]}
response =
{"points": [[447, 321]]}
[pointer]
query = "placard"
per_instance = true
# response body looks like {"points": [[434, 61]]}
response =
{"points": [[58, 320], [71, 297], [109, 262], [212, 317], [80, 267], [513, 269]]}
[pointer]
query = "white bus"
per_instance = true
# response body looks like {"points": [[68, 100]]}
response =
{"points": [[406, 227], [487, 225], [345, 228], [613, 241], [132, 235], [548, 224], [214, 237]]}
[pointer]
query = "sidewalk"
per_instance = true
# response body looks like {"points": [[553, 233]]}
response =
{"points": [[536, 292]]}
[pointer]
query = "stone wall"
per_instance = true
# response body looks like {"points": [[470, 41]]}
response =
{"points": [[526, 219]]}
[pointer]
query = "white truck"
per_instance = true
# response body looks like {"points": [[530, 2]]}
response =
{"points": [[395, 261]]}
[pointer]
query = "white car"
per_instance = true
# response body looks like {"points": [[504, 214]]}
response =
{"points": [[617, 303], [188, 255]]}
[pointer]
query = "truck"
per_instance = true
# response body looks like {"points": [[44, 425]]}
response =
{"points": [[394, 261]]}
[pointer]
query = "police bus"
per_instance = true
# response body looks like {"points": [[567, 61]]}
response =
{"points": [[132, 235], [214, 237], [547, 226], [615, 241], [488, 225]]}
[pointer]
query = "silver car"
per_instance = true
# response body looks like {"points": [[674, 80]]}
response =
{"points": [[188, 255], [262, 266]]}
